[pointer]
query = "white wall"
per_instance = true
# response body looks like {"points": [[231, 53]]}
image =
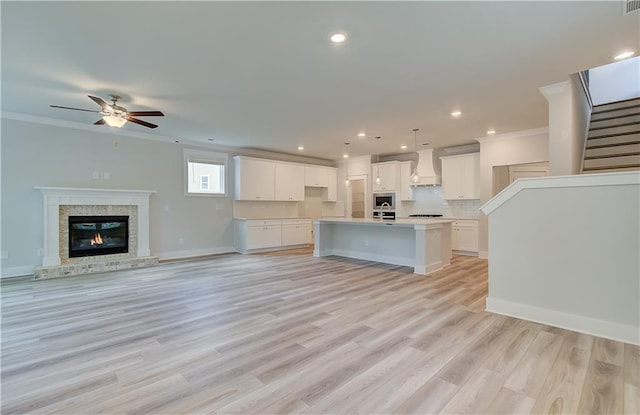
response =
{"points": [[615, 82], [527, 146], [44, 155], [564, 251], [569, 114]]}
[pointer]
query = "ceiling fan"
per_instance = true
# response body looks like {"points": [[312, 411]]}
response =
{"points": [[115, 115]]}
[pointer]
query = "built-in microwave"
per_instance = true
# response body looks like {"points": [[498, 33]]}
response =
{"points": [[380, 198]]}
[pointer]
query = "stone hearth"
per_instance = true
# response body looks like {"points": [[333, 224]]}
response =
{"points": [[60, 203]]}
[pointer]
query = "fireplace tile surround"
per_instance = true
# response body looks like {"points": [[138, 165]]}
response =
{"points": [[60, 203]]}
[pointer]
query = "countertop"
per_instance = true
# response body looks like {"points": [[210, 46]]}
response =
{"points": [[398, 222], [284, 218]]}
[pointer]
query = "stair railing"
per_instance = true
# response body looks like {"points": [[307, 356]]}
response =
{"points": [[584, 81]]}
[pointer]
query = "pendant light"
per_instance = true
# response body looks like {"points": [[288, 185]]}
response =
{"points": [[378, 180], [415, 178], [346, 155]]}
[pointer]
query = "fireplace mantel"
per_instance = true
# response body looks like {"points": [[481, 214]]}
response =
{"points": [[54, 197]]}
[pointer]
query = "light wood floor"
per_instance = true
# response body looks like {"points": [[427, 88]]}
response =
{"points": [[289, 333]]}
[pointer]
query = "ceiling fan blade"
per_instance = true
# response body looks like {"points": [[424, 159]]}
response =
{"points": [[70, 108], [146, 113], [101, 121], [105, 106], [137, 121]]}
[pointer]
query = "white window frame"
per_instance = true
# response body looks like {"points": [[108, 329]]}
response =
{"points": [[206, 157]]}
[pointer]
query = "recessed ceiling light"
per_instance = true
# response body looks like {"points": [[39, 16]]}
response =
{"points": [[300, 148], [491, 132], [624, 55], [338, 37], [362, 135], [403, 147], [456, 113]]}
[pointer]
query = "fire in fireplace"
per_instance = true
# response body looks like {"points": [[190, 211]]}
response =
{"points": [[98, 235]]}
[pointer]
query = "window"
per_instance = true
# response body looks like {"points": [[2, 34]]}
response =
{"points": [[205, 173]]}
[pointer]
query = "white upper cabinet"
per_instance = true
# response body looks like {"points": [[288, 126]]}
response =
{"points": [[289, 183], [389, 176], [461, 176], [254, 179], [316, 176], [406, 191], [332, 188]]}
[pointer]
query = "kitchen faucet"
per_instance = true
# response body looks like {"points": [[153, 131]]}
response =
{"points": [[382, 208]]}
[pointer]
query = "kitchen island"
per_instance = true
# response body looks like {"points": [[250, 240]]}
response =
{"points": [[424, 244]]}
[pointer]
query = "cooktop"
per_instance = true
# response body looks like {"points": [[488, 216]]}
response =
{"points": [[425, 215]]}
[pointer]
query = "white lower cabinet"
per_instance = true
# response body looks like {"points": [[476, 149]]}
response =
{"points": [[296, 232], [265, 234], [464, 236]]}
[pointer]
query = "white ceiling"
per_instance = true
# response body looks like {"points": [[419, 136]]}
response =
{"points": [[264, 75]]}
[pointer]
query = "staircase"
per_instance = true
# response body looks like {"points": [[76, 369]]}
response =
{"points": [[613, 143]]}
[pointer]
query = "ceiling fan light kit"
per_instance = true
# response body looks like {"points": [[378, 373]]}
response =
{"points": [[114, 121], [115, 115]]}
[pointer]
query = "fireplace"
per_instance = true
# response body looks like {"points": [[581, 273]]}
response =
{"points": [[98, 235]]}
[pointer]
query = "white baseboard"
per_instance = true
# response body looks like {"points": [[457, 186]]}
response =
{"points": [[483, 254], [426, 270], [588, 325], [195, 253], [367, 256], [17, 271]]}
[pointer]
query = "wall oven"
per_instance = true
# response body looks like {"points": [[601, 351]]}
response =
{"points": [[380, 198]]}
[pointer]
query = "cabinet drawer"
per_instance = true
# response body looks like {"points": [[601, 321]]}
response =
{"points": [[259, 237], [306, 222], [263, 222], [465, 223]]}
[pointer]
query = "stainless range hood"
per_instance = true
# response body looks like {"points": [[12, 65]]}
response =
{"points": [[426, 173]]}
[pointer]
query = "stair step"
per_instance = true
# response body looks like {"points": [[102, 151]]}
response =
{"points": [[620, 140], [609, 151], [613, 131], [604, 156], [615, 122], [614, 114], [618, 105], [611, 169], [608, 162]]}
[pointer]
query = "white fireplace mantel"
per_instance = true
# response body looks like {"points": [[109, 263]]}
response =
{"points": [[56, 196]]}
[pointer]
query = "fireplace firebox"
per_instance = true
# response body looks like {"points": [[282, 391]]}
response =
{"points": [[98, 235]]}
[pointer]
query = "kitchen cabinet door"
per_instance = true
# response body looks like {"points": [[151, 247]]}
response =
{"points": [[464, 236], [266, 235], [461, 177], [316, 176], [388, 173], [296, 232], [332, 185], [406, 191], [289, 182], [254, 179]]}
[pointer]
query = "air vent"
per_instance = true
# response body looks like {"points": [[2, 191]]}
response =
{"points": [[631, 6]]}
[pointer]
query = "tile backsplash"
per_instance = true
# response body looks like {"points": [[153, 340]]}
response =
{"points": [[428, 199]]}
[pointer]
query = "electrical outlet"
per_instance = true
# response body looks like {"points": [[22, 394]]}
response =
{"points": [[4, 254], [219, 206], [96, 175], [40, 252], [106, 175], [366, 242], [166, 208], [180, 241]]}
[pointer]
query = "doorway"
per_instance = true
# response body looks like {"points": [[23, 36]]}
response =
{"points": [[357, 201]]}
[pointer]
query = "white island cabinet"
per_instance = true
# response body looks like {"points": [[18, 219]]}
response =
{"points": [[423, 244]]}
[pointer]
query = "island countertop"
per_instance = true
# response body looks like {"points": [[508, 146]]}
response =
{"points": [[406, 222]]}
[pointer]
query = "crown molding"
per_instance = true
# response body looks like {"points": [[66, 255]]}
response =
{"points": [[513, 135]]}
